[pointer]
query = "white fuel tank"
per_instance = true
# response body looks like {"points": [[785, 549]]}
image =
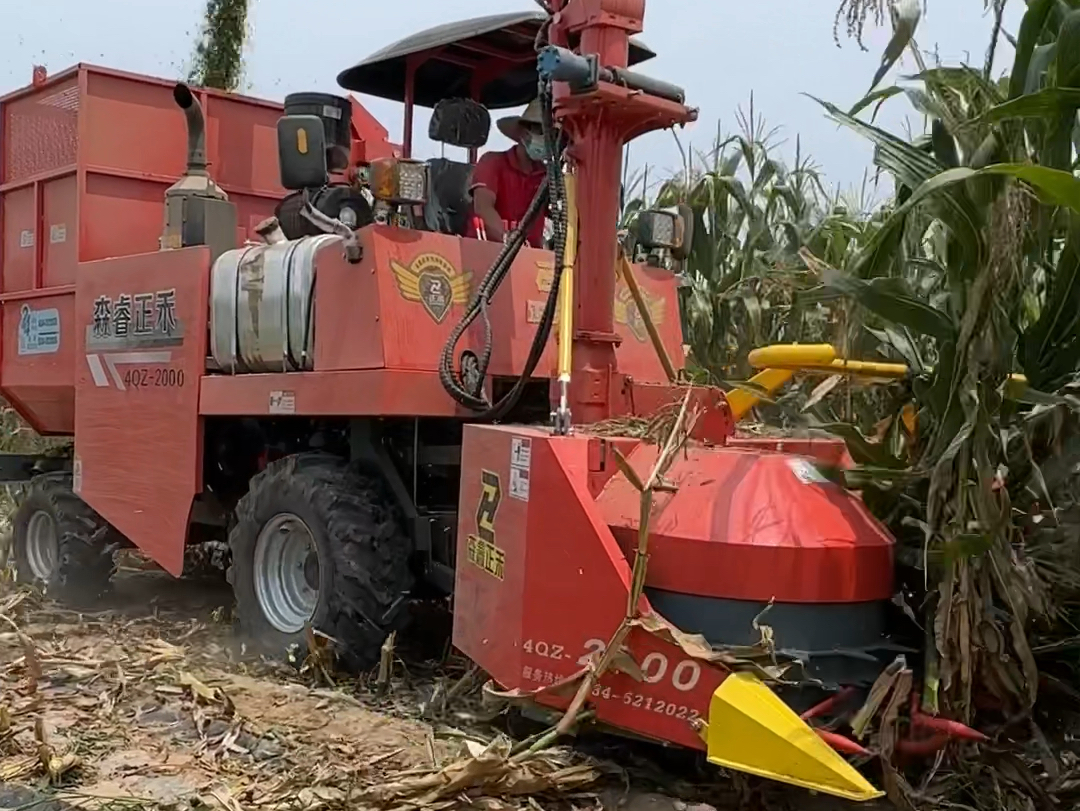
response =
{"points": [[261, 306]]}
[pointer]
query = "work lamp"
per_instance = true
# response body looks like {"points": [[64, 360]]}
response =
{"points": [[660, 229], [398, 181]]}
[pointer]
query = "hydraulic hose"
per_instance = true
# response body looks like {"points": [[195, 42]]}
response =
{"points": [[471, 396], [557, 191], [469, 391]]}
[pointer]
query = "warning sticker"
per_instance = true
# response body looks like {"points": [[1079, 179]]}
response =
{"points": [[520, 467], [39, 331], [519, 483], [521, 452], [806, 472], [282, 402]]}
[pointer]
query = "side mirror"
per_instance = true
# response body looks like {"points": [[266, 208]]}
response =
{"points": [[302, 152]]}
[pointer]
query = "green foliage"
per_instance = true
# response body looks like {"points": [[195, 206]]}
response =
{"points": [[218, 60], [752, 215], [969, 275]]}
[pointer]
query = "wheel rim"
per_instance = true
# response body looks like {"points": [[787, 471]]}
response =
{"points": [[42, 545], [286, 573]]}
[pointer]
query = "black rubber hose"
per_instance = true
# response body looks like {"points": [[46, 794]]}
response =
{"points": [[558, 216], [484, 293], [554, 193]]}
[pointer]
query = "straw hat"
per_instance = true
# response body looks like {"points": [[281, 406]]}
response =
{"points": [[511, 125]]}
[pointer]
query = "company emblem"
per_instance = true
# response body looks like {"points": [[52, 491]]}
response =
{"points": [[627, 314], [434, 282], [482, 549]]}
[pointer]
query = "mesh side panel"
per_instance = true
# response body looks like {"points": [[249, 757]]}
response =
{"points": [[42, 133]]}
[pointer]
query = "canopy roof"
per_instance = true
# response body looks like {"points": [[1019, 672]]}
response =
{"points": [[507, 37]]}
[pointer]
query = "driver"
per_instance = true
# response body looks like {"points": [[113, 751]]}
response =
{"points": [[504, 183]]}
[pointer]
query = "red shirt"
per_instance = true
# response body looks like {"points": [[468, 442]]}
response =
{"points": [[514, 191]]}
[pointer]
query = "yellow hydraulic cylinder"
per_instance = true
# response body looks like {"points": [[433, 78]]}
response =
{"points": [[566, 286]]}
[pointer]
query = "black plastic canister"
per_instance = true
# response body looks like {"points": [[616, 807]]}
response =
{"points": [[336, 115]]}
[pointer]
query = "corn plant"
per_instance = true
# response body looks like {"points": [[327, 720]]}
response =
{"points": [[972, 278], [752, 215]]}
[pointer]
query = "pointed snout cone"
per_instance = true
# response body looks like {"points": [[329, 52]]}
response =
{"points": [[751, 730]]}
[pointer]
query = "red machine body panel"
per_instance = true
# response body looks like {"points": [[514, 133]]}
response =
{"points": [[829, 451], [85, 159], [748, 524], [540, 590], [138, 435], [380, 326], [38, 358]]}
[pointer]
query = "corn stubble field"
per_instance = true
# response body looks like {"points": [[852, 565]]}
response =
{"points": [[152, 703]]}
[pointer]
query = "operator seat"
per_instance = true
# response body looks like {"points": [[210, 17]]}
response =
{"points": [[462, 123]]}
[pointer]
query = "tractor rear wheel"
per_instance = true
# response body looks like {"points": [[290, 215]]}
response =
{"points": [[317, 542], [61, 544]]}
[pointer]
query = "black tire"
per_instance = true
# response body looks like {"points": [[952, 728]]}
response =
{"points": [[84, 562], [363, 554]]}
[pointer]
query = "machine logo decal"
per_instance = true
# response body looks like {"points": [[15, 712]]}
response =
{"points": [[626, 312], [483, 552], [434, 282], [39, 331], [134, 329], [135, 321]]}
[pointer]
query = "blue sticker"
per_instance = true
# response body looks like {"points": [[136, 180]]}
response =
{"points": [[39, 331]]}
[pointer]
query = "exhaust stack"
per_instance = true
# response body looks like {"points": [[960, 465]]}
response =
{"points": [[197, 210], [196, 129]]}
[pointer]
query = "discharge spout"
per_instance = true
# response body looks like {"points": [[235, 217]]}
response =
{"points": [[196, 128]]}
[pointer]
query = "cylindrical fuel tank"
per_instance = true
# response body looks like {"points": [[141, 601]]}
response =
{"points": [[261, 311]]}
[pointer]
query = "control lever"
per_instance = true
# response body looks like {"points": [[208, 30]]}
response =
{"points": [[331, 225]]}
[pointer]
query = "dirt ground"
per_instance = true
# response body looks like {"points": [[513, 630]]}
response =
{"points": [[152, 702]]}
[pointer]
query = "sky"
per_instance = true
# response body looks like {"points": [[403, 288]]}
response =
{"points": [[721, 51]]}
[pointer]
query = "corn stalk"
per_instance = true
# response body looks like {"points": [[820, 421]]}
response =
{"points": [[975, 275], [219, 54]]}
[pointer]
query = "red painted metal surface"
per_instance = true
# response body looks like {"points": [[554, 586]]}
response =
{"points": [[827, 451], [138, 435], [542, 584], [369, 317], [85, 159], [754, 526]]}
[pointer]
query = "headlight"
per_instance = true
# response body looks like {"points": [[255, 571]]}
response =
{"points": [[398, 181], [660, 229]]}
